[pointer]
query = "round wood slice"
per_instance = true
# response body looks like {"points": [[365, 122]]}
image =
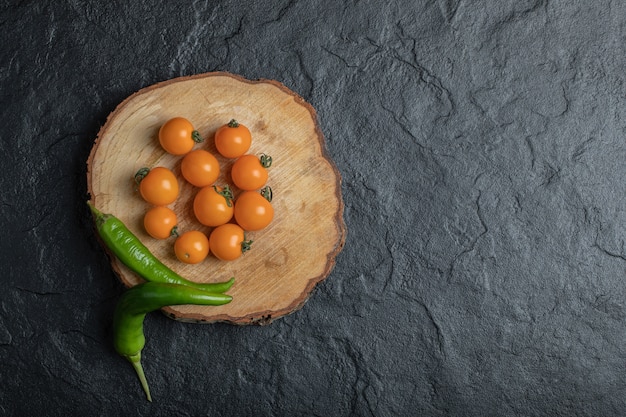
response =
{"points": [[290, 256]]}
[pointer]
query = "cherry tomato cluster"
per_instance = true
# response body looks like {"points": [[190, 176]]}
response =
{"points": [[213, 205]]}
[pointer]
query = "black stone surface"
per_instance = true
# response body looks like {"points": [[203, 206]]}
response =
{"points": [[482, 148]]}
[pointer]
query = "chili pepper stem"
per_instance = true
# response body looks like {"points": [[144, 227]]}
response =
{"points": [[98, 215], [135, 360]]}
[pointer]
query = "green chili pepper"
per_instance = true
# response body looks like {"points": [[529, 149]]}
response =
{"points": [[134, 304], [135, 255]]}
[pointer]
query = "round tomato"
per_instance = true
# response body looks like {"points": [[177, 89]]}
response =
{"points": [[157, 186], [191, 247], [228, 242], [160, 222], [253, 211], [233, 139], [200, 168], [213, 205], [249, 172], [177, 136]]}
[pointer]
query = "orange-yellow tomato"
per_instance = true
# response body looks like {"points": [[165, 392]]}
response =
{"points": [[200, 168], [191, 247], [253, 211], [213, 206], [160, 222], [178, 136], [158, 186], [233, 139], [250, 172], [228, 242]]}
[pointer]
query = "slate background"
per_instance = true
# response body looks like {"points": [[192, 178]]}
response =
{"points": [[482, 149]]}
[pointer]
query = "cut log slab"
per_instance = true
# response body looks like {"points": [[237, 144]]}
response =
{"points": [[289, 257]]}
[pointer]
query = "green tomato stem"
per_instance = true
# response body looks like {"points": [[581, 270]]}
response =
{"points": [[233, 123], [266, 161], [141, 174], [246, 245], [227, 193], [195, 135], [267, 193]]}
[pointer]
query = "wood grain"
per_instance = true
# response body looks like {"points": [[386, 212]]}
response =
{"points": [[288, 258]]}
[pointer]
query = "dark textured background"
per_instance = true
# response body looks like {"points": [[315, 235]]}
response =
{"points": [[482, 148]]}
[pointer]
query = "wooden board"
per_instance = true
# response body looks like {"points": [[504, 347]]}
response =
{"points": [[288, 258]]}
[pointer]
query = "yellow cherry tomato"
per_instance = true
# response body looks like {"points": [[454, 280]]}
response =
{"points": [[249, 172], [253, 211], [200, 168], [228, 242], [213, 206], [191, 247], [160, 222], [158, 186], [233, 139], [178, 136]]}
